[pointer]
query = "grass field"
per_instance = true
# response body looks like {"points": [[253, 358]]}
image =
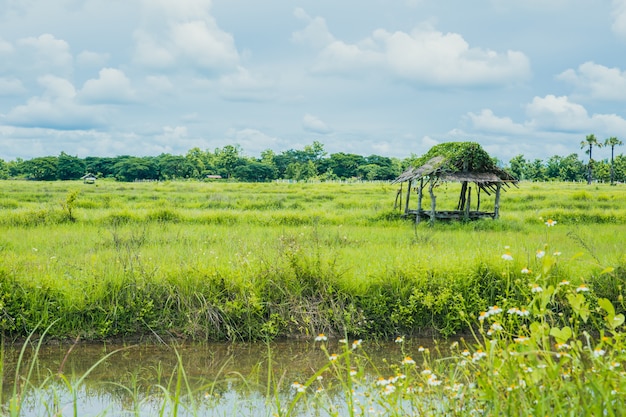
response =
{"points": [[540, 303], [216, 261]]}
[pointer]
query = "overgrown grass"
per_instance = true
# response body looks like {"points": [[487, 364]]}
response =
{"points": [[550, 346], [227, 261]]}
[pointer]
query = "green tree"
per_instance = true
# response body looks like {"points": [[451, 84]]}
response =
{"points": [[227, 159], [571, 168], [344, 165], [535, 170], [200, 161], [255, 171], [131, 168], [517, 166], [589, 142], [100, 166], [612, 142], [42, 168], [69, 167], [174, 167], [620, 168], [4, 170]]}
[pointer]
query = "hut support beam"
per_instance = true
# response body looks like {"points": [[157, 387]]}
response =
{"points": [[466, 213], [496, 208], [420, 195], [408, 195], [433, 199], [461, 205]]}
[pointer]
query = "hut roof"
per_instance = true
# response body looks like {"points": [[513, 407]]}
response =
{"points": [[457, 161]]}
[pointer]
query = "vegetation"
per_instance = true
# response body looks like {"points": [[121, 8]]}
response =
{"points": [[233, 261], [558, 349], [310, 163]]}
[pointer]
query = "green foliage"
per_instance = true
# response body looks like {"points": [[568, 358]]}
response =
{"points": [[460, 156], [228, 261]]}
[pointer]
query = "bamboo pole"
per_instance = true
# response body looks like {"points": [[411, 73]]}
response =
{"points": [[432, 201], [408, 195], [496, 209], [420, 195]]}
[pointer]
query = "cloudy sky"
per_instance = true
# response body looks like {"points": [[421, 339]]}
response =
{"points": [[384, 77]]}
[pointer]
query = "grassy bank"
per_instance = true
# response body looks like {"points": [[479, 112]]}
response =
{"points": [[226, 261]]}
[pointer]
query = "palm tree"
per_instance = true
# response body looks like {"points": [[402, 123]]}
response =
{"points": [[612, 142], [590, 141]]}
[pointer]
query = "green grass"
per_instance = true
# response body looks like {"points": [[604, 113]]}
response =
{"points": [[230, 261]]}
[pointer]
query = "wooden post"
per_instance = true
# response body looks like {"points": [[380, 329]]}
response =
{"points": [[408, 195], [461, 205], [496, 208], [469, 202], [432, 200], [477, 198], [420, 195]]}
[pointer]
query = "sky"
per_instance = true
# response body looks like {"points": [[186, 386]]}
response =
{"points": [[369, 77]]}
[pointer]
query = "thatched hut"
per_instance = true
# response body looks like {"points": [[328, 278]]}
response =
{"points": [[463, 162]]}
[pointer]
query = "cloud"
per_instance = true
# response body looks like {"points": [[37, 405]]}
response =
{"points": [[315, 34], [424, 55], [177, 35], [47, 54], [486, 121], [56, 108], [5, 47], [557, 113], [111, 86], [312, 124], [91, 59], [242, 85], [553, 113], [11, 87], [619, 18], [253, 140], [597, 81]]}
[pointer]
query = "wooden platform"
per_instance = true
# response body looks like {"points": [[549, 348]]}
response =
{"points": [[453, 215]]}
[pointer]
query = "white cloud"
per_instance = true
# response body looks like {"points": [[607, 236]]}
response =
{"points": [[5, 47], [111, 86], [182, 35], [315, 34], [49, 54], [447, 59], [311, 123], [551, 113], [10, 87], [91, 59], [242, 85], [619, 18], [202, 43], [160, 84], [149, 54], [423, 56], [253, 140], [488, 122], [597, 81], [56, 108]]}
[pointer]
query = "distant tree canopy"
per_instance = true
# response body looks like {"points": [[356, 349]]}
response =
{"points": [[311, 162]]}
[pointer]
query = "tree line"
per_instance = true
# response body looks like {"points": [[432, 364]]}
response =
{"points": [[311, 162]]}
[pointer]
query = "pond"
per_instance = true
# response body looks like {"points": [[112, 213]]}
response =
{"points": [[190, 379]]}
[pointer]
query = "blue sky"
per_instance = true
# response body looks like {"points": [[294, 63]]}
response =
{"points": [[385, 77]]}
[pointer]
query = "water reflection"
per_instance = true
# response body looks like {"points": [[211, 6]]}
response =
{"points": [[225, 378]]}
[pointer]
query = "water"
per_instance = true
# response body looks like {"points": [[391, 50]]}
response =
{"points": [[219, 378]]}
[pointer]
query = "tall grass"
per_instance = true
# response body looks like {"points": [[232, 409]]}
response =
{"points": [[251, 261]]}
